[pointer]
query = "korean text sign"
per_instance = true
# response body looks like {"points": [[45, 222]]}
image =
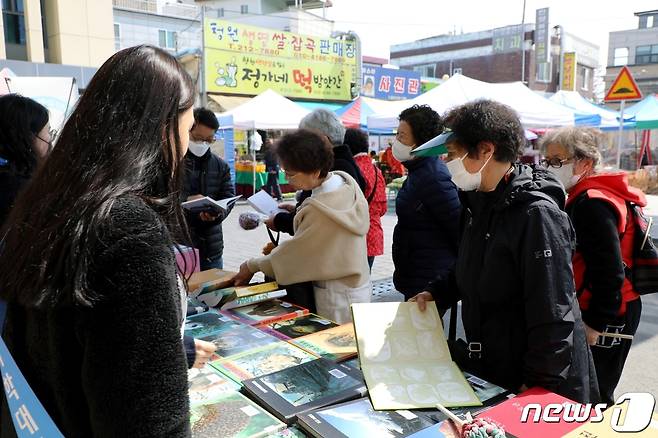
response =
{"points": [[391, 84], [242, 59]]}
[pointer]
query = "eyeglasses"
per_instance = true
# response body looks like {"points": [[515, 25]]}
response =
{"points": [[554, 162]]}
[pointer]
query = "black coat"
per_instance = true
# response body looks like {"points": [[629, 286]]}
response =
{"points": [[343, 161], [11, 184], [426, 236], [209, 176], [515, 280], [116, 368]]}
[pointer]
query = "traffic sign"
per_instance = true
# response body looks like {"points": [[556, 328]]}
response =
{"points": [[623, 88]]}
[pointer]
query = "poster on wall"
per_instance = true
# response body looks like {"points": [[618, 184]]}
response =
{"points": [[390, 84], [242, 59]]}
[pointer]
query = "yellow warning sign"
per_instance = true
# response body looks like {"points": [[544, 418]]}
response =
{"points": [[623, 88]]}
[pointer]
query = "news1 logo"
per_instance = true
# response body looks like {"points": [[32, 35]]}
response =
{"points": [[639, 410]]}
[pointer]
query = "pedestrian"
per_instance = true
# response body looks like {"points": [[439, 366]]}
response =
{"points": [[328, 247], [207, 175], [513, 273], [25, 141], [375, 192], [395, 169], [598, 205], [272, 169], [95, 305], [425, 239]]}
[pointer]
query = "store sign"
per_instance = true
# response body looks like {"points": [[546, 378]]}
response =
{"points": [[242, 59], [542, 37], [507, 39], [388, 83], [569, 71]]}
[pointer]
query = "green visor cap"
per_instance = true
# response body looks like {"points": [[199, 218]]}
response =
{"points": [[434, 147]]}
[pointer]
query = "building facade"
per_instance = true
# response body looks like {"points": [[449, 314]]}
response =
{"points": [[495, 55], [637, 49]]}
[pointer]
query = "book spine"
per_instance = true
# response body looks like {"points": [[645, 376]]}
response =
{"points": [[291, 315], [253, 299]]}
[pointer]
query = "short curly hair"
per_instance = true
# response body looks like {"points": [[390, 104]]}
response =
{"points": [[425, 123], [305, 151], [580, 142], [357, 140], [487, 120]]}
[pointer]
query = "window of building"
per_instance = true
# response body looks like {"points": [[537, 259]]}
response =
{"points": [[620, 56], [244, 9], [167, 39], [544, 72], [646, 54], [457, 71], [220, 13], [13, 19], [650, 21], [117, 36], [584, 75], [425, 70]]}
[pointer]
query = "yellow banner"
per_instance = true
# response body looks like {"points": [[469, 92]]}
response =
{"points": [[259, 41], [241, 73], [569, 71]]}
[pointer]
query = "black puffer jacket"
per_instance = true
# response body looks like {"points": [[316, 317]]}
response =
{"points": [[515, 280], [11, 184], [92, 366], [426, 236], [209, 176]]}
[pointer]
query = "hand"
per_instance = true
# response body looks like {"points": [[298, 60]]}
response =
{"points": [[288, 207], [592, 335], [208, 217], [422, 299], [244, 276], [194, 197], [269, 223], [203, 351]]}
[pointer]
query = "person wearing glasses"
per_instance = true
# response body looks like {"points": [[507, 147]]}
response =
{"points": [[328, 246], [206, 175], [598, 208], [25, 142]]}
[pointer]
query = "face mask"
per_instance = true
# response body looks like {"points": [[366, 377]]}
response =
{"points": [[199, 148], [565, 175], [462, 178], [401, 151]]}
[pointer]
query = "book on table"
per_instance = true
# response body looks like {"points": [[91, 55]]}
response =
{"points": [[207, 383], [231, 415], [405, 358], [211, 279], [222, 296], [262, 360], [358, 419], [206, 204], [237, 340], [208, 323], [302, 388], [337, 343], [288, 432], [297, 327], [265, 312]]}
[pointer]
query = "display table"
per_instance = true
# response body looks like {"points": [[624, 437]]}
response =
{"points": [[244, 181]]}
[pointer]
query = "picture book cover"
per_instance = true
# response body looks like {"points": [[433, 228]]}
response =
{"points": [[238, 340], [260, 361], [405, 359], [337, 343], [208, 323], [288, 432], [354, 363], [266, 312], [253, 299], [207, 383], [231, 415], [358, 419], [508, 415], [297, 327], [219, 297], [311, 385]]}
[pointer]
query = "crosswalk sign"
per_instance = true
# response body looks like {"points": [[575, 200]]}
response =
{"points": [[623, 88]]}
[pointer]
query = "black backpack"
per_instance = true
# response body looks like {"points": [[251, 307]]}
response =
{"points": [[644, 272]]}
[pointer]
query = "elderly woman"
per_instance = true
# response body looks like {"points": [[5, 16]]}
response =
{"points": [[425, 237], [513, 273], [330, 227], [598, 207]]}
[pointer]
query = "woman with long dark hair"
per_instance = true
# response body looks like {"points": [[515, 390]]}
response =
{"points": [[95, 304], [24, 142]]}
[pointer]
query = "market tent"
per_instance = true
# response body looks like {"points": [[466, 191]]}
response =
{"points": [[644, 113], [355, 114], [573, 100], [268, 110], [534, 110]]}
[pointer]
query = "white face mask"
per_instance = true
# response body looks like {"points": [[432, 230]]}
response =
{"points": [[565, 175], [401, 151], [199, 148], [462, 178]]}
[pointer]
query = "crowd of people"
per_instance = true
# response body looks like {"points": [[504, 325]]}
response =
{"points": [[95, 304]]}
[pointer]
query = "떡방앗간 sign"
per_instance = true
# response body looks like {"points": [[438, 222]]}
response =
{"points": [[389, 83], [243, 59]]}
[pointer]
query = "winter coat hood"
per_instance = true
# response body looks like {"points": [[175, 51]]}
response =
{"points": [[614, 182]]}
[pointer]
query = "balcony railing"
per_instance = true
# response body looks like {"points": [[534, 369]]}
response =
{"points": [[151, 6]]}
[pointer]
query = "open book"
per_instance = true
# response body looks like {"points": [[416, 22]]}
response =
{"points": [[264, 203], [209, 205]]}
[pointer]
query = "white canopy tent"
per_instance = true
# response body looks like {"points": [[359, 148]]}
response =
{"points": [[534, 110], [573, 100], [268, 110]]}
